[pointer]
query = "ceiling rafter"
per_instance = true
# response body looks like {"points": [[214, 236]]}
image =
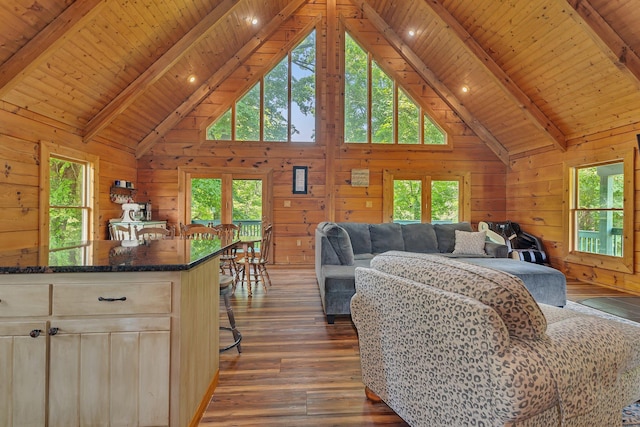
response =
{"points": [[500, 77], [44, 44], [157, 70], [607, 39], [429, 76], [212, 82]]}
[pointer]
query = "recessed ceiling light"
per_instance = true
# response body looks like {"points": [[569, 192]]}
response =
{"points": [[412, 33], [191, 78], [254, 21], [465, 89]]}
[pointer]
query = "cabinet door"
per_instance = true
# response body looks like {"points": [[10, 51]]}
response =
{"points": [[109, 372], [23, 364]]}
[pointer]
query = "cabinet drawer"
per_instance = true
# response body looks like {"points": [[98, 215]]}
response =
{"points": [[121, 298], [24, 300]]}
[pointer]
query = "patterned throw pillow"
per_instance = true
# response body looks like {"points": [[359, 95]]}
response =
{"points": [[470, 242]]}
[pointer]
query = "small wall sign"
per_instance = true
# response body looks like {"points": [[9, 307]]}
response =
{"points": [[300, 179], [359, 177]]}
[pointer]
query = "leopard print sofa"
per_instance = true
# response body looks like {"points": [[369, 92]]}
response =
{"points": [[447, 343]]}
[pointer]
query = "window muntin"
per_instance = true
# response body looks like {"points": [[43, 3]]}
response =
{"points": [[598, 216], [280, 107], [376, 109]]}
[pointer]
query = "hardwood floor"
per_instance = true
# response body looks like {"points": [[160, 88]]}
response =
{"points": [[295, 369]]}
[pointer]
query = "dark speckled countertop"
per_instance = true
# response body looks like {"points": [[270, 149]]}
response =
{"points": [[111, 255]]}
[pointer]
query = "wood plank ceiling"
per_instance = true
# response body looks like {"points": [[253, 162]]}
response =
{"points": [[540, 72]]}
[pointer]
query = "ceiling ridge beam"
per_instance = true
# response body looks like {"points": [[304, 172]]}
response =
{"points": [[429, 76], [156, 70], [607, 39], [212, 82], [500, 77], [40, 48]]}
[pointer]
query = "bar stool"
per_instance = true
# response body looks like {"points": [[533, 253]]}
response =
{"points": [[226, 289]]}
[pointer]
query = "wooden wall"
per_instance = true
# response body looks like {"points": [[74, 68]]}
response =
{"points": [[535, 200], [20, 135], [330, 196]]}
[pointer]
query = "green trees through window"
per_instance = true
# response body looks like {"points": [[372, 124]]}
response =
{"points": [[376, 109], [67, 203], [280, 107]]}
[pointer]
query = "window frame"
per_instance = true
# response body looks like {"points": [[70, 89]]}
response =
{"points": [[426, 176], [397, 87], [259, 81], [49, 150], [607, 262]]}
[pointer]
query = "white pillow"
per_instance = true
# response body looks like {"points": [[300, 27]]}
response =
{"points": [[470, 242]]}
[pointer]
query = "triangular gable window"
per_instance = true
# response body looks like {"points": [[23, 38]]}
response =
{"points": [[280, 107], [377, 110]]}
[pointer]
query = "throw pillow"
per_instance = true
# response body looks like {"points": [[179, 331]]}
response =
{"points": [[446, 235], [470, 242], [340, 241]]}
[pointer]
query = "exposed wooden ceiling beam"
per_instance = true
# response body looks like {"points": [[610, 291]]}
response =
{"points": [[46, 42], [429, 76], [212, 82], [607, 39], [158, 69], [512, 90]]}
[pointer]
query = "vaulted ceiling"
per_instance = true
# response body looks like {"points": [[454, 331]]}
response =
{"points": [[539, 72]]}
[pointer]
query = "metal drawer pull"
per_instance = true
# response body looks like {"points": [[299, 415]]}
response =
{"points": [[53, 331], [35, 333], [112, 299]]}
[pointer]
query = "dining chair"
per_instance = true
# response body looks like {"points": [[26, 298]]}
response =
{"points": [[184, 227], [199, 232], [120, 232], [155, 233], [229, 257], [258, 260]]}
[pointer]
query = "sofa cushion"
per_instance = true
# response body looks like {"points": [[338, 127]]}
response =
{"points": [[359, 234], [419, 238], [470, 242], [446, 234], [340, 241], [386, 237], [505, 293]]}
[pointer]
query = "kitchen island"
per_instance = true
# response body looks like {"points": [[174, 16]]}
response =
{"points": [[109, 333]]}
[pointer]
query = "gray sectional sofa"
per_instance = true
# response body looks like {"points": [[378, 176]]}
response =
{"points": [[341, 247]]}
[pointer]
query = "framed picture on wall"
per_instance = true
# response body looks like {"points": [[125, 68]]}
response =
{"points": [[300, 179]]}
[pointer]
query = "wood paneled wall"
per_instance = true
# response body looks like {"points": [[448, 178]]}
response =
{"points": [[330, 195], [20, 135], [536, 197]]}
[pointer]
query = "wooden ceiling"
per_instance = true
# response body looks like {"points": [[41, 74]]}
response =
{"points": [[540, 72]]}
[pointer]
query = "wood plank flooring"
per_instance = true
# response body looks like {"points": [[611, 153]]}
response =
{"points": [[295, 369]]}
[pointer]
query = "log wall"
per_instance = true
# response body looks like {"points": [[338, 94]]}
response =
{"points": [[330, 194], [535, 200]]}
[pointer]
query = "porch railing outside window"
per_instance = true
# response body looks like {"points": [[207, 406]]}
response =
{"points": [[591, 241]]}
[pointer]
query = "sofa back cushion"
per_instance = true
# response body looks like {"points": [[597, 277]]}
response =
{"points": [[359, 235], [446, 234], [419, 238], [505, 293], [340, 241], [386, 237]]}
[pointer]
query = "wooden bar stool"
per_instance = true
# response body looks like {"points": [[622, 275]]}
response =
{"points": [[226, 289]]}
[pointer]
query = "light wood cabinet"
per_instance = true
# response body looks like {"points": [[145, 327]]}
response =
{"points": [[134, 348]]}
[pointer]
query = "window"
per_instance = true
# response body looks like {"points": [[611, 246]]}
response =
{"points": [[280, 107], [445, 200], [377, 110], [600, 229], [69, 188]]}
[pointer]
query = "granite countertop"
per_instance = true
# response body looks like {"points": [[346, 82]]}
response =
{"points": [[111, 255]]}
